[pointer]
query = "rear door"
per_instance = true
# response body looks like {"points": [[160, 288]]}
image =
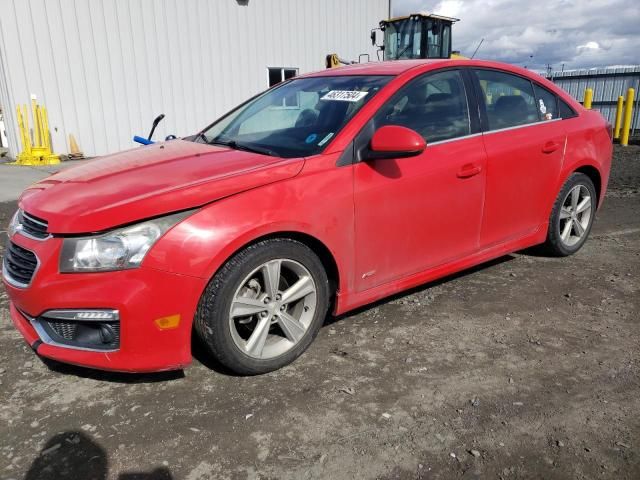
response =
{"points": [[419, 212], [524, 142]]}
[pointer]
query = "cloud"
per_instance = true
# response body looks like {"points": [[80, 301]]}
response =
{"points": [[450, 8], [576, 33]]}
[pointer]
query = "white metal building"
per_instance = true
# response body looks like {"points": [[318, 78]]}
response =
{"points": [[105, 68]]}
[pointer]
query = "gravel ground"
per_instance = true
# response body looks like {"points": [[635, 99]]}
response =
{"points": [[525, 367]]}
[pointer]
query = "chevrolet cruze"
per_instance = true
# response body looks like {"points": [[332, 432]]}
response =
{"points": [[327, 192]]}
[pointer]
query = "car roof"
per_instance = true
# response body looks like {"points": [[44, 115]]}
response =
{"points": [[374, 68], [397, 67]]}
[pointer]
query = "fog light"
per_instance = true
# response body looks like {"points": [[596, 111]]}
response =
{"points": [[91, 329], [94, 334], [167, 323]]}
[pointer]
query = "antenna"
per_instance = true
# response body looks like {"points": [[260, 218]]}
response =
{"points": [[477, 48]]}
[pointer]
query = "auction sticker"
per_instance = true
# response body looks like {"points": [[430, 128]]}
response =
{"points": [[344, 95]]}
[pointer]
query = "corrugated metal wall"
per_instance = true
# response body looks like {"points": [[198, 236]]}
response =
{"points": [[106, 68], [607, 84]]}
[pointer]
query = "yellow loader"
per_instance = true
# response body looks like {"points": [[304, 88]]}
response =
{"points": [[419, 35]]}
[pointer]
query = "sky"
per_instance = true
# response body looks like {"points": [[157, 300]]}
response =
{"points": [[578, 34]]}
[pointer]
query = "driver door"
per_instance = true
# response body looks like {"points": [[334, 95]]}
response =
{"points": [[415, 213]]}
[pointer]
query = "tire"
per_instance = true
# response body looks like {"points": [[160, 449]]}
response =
{"points": [[227, 317], [559, 243]]}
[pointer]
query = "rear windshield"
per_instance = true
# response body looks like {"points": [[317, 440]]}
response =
{"points": [[298, 118]]}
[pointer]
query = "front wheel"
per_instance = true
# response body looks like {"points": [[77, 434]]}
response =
{"points": [[264, 307], [572, 216]]}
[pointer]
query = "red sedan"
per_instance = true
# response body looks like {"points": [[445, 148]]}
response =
{"points": [[326, 192]]}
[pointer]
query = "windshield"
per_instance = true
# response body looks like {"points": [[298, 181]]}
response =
{"points": [[296, 119]]}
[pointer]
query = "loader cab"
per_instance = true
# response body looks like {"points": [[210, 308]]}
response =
{"points": [[416, 36]]}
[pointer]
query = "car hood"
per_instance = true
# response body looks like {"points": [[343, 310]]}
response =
{"points": [[146, 182]]}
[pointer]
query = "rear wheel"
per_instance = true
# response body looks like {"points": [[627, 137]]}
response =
{"points": [[264, 307], [572, 216]]}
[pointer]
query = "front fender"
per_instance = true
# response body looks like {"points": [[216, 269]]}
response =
{"points": [[317, 203]]}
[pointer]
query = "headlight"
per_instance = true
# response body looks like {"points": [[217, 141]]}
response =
{"points": [[13, 224], [116, 250]]}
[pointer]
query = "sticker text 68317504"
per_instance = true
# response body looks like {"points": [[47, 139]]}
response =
{"points": [[344, 95]]}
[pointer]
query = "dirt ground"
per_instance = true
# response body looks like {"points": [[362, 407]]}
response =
{"points": [[526, 367]]}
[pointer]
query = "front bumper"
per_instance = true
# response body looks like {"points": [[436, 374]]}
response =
{"points": [[141, 296]]}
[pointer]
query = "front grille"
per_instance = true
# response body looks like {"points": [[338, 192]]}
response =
{"points": [[19, 265], [79, 334], [33, 226]]}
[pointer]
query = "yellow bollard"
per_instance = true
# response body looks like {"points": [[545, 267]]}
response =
{"points": [[36, 149], [23, 125], [43, 141], [588, 98], [616, 129], [36, 122], [626, 122], [45, 128]]}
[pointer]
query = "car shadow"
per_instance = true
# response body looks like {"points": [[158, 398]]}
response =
{"points": [[107, 376], [536, 251], [387, 168], [74, 455]]}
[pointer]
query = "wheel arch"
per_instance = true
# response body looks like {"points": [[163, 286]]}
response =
{"points": [[594, 175], [316, 245], [587, 168]]}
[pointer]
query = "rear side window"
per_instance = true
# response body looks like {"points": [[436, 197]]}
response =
{"points": [[434, 105], [565, 111], [509, 99], [547, 103]]}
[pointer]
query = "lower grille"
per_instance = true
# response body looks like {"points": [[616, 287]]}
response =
{"points": [[66, 330], [19, 265], [92, 335]]}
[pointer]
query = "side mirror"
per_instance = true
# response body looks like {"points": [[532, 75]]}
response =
{"points": [[374, 37], [394, 141]]}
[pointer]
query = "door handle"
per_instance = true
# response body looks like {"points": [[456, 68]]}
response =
{"points": [[469, 170], [550, 147]]}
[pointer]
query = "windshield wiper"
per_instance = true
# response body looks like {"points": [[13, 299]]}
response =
{"points": [[243, 146]]}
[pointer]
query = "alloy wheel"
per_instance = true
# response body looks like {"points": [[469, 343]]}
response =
{"points": [[575, 215], [272, 308]]}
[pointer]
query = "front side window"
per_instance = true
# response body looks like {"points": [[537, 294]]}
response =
{"points": [[509, 99], [434, 105], [271, 124]]}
